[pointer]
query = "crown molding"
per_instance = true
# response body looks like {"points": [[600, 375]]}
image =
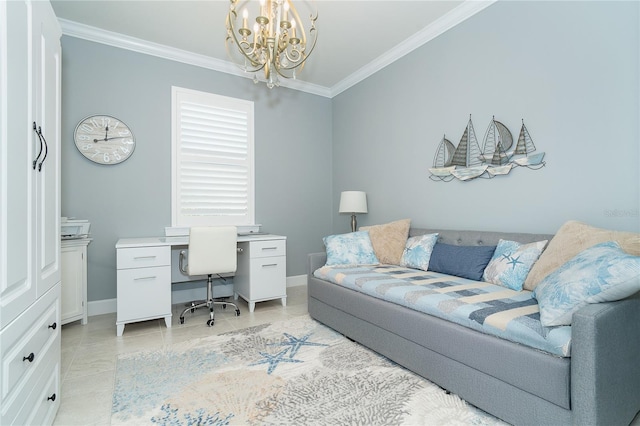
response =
{"points": [[110, 38], [461, 13], [441, 25]]}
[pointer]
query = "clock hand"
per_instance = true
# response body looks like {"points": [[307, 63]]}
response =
{"points": [[108, 139], [106, 132]]}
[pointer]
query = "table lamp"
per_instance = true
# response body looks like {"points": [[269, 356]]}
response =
{"points": [[353, 202]]}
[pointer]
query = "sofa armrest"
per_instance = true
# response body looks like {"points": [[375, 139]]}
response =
{"points": [[605, 362], [316, 260]]}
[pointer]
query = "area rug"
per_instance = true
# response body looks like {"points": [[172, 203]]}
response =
{"points": [[295, 372]]}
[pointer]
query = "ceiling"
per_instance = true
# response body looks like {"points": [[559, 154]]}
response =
{"points": [[355, 38]]}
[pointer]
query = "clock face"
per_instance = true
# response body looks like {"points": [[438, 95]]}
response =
{"points": [[104, 139]]}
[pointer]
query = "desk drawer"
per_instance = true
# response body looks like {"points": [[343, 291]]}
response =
{"points": [[143, 293], [28, 341], [268, 276], [267, 248], [143, 257]]}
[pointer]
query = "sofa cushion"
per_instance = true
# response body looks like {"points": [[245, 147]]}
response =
{"points": [[417, 251], [389, 240], [602, 273], [511, 263], [461, 261], [354, 248], [572, 238]]}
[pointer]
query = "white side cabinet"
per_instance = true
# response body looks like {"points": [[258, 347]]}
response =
{"points": [[262, 272], [74, 280], [144, 284]]}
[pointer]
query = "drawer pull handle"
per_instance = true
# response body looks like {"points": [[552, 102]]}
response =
{"points": [[269, 264], [54, 326], [144, 257], [52, 397], [145, 278], [269, 248], [29, 358]]}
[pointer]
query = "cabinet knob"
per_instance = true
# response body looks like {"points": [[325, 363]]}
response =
{"points": [[52, 397], [54, 326], [29, 358]]}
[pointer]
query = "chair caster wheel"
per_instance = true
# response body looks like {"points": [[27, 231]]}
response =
{"points": [[237, 312], [181, 320], [210, 323]]}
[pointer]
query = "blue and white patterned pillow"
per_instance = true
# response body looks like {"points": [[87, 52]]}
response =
{"points": [[511, 263], [350, 249], [417, 251], [601, 273]]}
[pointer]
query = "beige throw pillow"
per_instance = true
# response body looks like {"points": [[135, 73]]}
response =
{"points": [[389, 240], [572, 238]]}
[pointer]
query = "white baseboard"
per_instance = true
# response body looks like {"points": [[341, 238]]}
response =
{"points": [[108, 306], [100, 307], [296, 280]]}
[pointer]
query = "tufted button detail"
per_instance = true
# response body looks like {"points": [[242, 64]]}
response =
{"points": [[480, 242], [459, 240]]}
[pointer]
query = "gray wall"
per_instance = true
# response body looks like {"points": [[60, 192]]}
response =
{"points": [[570, 69], [133, 199]]}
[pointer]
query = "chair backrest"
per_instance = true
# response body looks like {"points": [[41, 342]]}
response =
{"points": [[212, 250]]}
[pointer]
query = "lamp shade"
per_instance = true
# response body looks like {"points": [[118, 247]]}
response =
{"points": [[353, 202]]}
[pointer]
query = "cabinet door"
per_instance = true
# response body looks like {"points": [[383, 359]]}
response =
{"points": [[73, 273], [17, 177], [46, 72]]}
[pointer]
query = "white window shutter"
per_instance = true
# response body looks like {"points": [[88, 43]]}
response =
{"points": [[212, 165]]}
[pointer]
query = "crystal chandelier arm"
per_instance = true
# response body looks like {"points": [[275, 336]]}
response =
{"points": [[242, 44], [294, 58]]}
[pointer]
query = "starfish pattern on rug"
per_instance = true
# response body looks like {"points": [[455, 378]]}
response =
{"points": [[296, 343], [275, 360]]}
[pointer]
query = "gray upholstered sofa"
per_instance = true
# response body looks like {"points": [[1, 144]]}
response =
{"points": [[598, 384]]}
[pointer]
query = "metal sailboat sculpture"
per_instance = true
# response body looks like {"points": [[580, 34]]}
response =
{"points": [[467, 157], [497, 141], [442, 167], [497, 157], [523, 154]]}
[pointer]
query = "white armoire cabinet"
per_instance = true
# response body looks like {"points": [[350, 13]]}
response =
{"points": [[30, 60]]}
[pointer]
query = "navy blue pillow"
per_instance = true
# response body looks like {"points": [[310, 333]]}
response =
{"points": [[461, 261]]}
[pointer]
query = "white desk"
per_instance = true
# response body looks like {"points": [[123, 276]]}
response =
{"points": [[144, 275]]}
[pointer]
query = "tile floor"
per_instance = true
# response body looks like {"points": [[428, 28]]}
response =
{"points": [[89, 352]]}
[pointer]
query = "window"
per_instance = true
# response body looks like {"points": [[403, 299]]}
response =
{"points": [[212, 167]]}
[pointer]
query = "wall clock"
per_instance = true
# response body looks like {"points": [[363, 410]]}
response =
{"points": [[104, 139]]}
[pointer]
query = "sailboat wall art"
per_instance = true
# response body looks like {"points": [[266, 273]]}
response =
{"points": [[498, 156]]}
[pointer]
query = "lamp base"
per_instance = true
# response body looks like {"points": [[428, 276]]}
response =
{"points": [[354, 223]]}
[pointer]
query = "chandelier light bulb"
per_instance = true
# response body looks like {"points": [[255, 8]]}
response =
{"points": [[285, 14], [245, 15]]}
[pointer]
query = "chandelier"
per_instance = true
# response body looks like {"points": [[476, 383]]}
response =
{"points": [[276, 43]]}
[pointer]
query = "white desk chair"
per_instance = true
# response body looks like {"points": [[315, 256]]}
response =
{"points": [[212, 250]]}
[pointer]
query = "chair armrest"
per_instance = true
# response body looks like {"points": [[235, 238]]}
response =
{"points": [[605, 362]]}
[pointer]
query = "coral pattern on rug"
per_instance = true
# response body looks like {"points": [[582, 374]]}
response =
{"points": [[295, 372]]}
